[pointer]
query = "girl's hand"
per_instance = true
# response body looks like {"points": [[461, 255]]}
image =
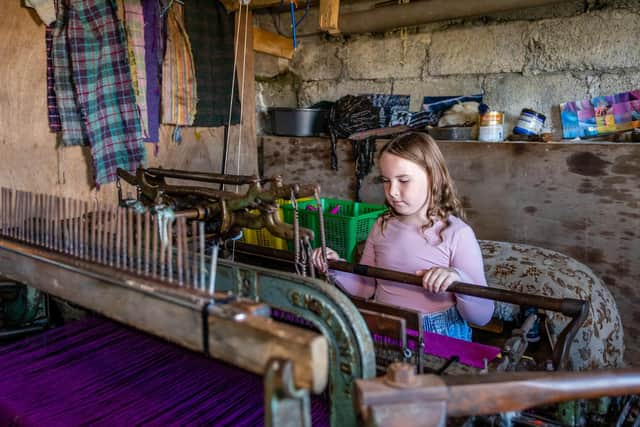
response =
{"points": [[438, 279], [318, 261]]}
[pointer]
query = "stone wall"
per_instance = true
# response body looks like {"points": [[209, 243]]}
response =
{"points": [[535, 58], [530, 58]]}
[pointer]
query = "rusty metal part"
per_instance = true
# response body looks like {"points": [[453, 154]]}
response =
{"points": [[401, 397], [212, 177], [223, 210]]}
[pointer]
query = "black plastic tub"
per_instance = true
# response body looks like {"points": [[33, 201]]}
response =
{"points": [[298, 121]]}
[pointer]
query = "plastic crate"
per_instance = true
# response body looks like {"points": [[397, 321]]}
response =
{"points": [[346, 223], [262, 237]]}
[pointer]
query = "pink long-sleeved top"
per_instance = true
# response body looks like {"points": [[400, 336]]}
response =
{"points": [[406, 248]]}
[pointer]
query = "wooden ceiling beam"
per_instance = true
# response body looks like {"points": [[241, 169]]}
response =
{"points": [[329, 11], [271, 43]]}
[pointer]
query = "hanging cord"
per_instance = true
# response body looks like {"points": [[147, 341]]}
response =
{"points": [[275, 17], [323, 240], [296, 233], [308, 256], [233, 84], [244, 61]]}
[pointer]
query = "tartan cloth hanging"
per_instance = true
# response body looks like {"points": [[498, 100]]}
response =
{"points": [[52, 107], [73, 131], [103, 88], [211, 34]]}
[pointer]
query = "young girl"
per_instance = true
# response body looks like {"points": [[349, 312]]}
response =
{"points": [[423, 233]]}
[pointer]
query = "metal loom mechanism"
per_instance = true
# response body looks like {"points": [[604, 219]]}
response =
{"points": [[110, 259], [224, 212]]}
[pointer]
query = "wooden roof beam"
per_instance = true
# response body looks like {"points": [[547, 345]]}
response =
{"points": [[328, 12], [271, 43]]}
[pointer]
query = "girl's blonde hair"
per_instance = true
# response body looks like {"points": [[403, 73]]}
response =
{"points": [[422, 150]]}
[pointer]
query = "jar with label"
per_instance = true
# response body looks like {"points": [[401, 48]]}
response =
{"points": [[491, 127], [529, 123]]}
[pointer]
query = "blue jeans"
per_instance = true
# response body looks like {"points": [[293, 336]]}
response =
{"points": [[449, 323]]}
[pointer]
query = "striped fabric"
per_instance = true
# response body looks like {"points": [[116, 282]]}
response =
{"points": [[134, 27], [103, 87], [52, 107], [73, 132], [153, 63], [178, 73]]}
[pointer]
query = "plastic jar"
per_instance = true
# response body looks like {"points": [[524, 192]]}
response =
{"points": [[491, 127], [529, 123]]}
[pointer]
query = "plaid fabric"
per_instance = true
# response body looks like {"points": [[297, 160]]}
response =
{"points": [[211, 34], [179, 92], [448, 323], [153, 61], [73, 131], [103, 87], [52, 106], [134, 27]]}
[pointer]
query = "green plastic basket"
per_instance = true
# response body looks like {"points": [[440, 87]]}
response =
{"points": [[344, 229]]}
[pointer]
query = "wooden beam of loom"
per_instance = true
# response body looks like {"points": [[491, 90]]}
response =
{"points": [[245, 340], [272, 44], [329, 11]]}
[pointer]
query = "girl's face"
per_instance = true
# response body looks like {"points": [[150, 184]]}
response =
{"points": [[406, 187]]}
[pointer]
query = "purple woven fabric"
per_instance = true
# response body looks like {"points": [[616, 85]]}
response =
{"points": [[97, 372]]}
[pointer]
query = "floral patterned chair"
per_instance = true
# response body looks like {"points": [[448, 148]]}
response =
{"points": [[523, 268]]}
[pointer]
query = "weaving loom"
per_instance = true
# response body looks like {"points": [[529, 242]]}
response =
{"points": [[112, 260]]}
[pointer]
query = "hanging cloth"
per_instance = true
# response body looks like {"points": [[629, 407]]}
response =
{"points": [[179, 92], [73, 131], [53, 115], [211, 34], [152, 62], [102, 83], [134, 29]]}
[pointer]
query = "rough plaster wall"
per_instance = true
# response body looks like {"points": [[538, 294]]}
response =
{"points": [[533, 58], [29, 159], [530, 58]]}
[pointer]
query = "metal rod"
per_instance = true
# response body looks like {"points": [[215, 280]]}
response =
{"points": [[212, 269], [185, 243], [129, 222], [154, 249], [194, 257], [139, 242], [163, 249], [170, 250], [147, 237], [201, 241], [204, 177], [179, 244]]}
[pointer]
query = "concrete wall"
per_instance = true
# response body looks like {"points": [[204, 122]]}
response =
{"points": [[531, 58], [579, 199]]}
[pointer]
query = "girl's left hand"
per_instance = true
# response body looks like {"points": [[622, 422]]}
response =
{"points": [[438, 279]]}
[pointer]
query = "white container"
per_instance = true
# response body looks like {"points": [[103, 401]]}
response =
{"points": [[491, 127], [491, 133]]}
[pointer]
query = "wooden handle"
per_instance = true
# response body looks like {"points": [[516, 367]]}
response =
{"points": [[567, 306]]}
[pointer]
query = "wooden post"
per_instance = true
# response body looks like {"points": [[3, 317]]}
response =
{"points": [[328, 12]]}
